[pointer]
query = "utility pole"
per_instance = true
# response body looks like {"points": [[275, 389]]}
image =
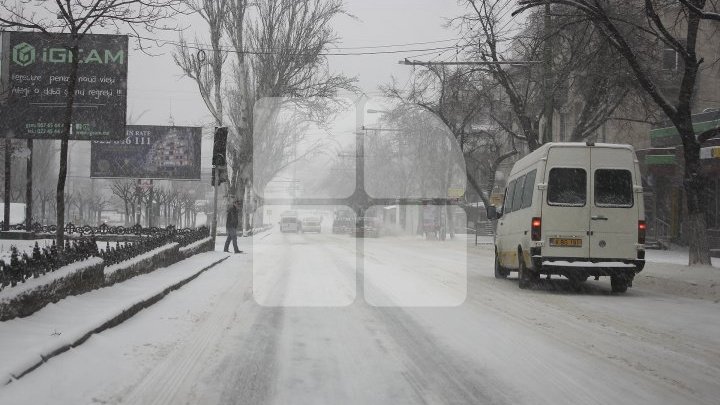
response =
{"points": [[549, 108]]}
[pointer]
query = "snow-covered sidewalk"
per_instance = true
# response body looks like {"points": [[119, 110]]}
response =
{"points": [[26, 343], [666, 271]]}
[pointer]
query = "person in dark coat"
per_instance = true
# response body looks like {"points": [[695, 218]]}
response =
{"points": [[231, 224]]}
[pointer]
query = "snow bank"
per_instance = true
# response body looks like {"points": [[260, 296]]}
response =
{"points": [[10, 293], [29, 297], [144, 263], [198, 246], [26, 343]]}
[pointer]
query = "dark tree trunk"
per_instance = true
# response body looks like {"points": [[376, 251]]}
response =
{"points": [[67, 127], [694, 183], [29, 189], [6, 211]]}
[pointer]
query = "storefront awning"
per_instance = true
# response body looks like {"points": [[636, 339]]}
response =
{"points": [[669, 136]]}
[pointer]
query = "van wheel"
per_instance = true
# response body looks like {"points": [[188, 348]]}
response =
{"points": [[619, 284], [524, 277], [499, 271]]}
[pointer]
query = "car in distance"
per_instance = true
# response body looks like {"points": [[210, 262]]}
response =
{"points": [[343, 221], [311, 224], [572, 209], [289, 222], [367, 227]]}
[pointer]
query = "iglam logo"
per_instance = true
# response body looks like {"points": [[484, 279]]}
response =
{"points": [[23, 54]]}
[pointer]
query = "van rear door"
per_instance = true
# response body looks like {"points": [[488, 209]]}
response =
{"points": [[614, 210], [566, 209]]}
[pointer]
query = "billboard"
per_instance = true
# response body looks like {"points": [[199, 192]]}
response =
{"points": [[35, 72], [149, 152]]}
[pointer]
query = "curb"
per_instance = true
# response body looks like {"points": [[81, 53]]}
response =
{"points": [[117, 320]]}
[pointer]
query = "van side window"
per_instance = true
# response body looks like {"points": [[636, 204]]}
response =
{"points": [[517, 198], [510, 192], [567, 187], [613, 188], [528, 189]]}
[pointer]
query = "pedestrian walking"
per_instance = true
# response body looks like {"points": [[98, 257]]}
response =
{"points": [[231, 224]]}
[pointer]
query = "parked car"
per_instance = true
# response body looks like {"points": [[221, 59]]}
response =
{"points": [[575, 210]]}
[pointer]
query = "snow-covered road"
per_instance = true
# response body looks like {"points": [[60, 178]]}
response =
{"points": [[313, 333]]}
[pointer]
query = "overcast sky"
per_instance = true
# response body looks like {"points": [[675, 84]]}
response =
{"points": [[157, 89], [158, 94]]}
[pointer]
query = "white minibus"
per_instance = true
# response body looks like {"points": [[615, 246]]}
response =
{"points": [[575, 210]]}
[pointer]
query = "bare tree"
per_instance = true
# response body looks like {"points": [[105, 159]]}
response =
{"points": [[161, 196], [578, 68], [98, 204], [676, 25], [124, 190], [700, 10], [280, 48], [458, 98], [77, 19], [207, 71]]}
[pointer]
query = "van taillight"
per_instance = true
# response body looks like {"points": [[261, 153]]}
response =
{"points": [[535, 229], [641, 232]]}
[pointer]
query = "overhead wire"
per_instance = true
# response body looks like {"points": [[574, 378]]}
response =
{"points": [[204, 47], [503, 12]]}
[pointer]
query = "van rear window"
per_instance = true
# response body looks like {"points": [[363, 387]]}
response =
{"points": [[613, 188], [567, 187]]}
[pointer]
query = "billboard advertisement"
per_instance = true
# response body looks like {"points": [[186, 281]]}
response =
{"points": [[35, 71], [149, 152]]}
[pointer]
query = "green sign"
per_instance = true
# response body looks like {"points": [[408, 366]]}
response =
{"points": [[669, 135], [660, 160], [36, 74], [23, 54]]}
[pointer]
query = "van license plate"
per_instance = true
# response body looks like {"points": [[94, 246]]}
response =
{"points": [[565, 242]]}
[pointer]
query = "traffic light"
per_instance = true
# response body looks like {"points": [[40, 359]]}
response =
{"points": [[220, 147], [219, 160]]}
